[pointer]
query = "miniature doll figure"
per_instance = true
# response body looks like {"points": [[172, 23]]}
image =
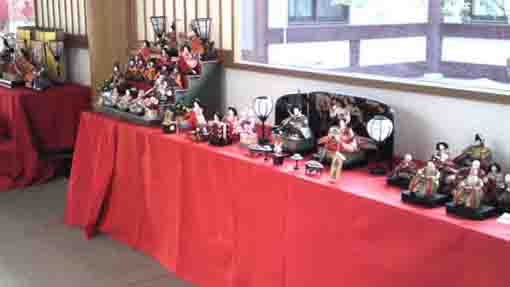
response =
{"points": [[478, 152], [426, 181], [233, 120], [24, 68], [404, 172], [164, 71], [220, 133], [469, 192], [197, 46], [165, 58], [504, 197], [140, 67], [131, 70], [116, 77], [336, 167], [146, 50], [151, 72], [175, 79], [340, 139], [278, 154], [442, 153], [453, 179], [188, 64], [197, 116], [494, 183], [161, 41], [247, 128], [151, 108], [296, 132]]}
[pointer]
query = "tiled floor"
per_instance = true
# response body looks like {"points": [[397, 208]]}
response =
{"points": [[38, 250]]}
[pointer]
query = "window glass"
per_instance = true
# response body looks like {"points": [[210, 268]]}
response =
{"points": [[301, 10], [416, 40]]}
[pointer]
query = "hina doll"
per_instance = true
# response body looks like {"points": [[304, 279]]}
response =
{"points": [[197, 46], [453, 180], [188, 64], [131, 70], [219, 131], [494, 182], [146, 50], [197, 116], [151, 72], [164, 58], [336, 167], [140, 68], [247, 128], [116, 76], [477, 152], [504, 197], [426, 181], [296, 132], [340, 139], [23, 66], [232, 120], [469, 193], [404, 172], [175, 79]]}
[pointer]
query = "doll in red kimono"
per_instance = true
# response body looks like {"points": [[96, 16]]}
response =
{"points": [[146, 50], [188, 64], [197, 117]]}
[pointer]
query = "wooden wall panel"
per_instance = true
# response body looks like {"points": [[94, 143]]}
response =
{"points": [[180, 15], [149, 12]]}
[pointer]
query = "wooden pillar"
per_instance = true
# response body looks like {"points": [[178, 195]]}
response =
{"points": [[434, 37], [108, 34], [355, 48]]}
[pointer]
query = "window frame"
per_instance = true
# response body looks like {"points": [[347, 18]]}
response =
{"points": [[316, 19]]}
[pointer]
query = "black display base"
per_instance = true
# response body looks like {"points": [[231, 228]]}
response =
{"points": [[437, 200], [127, 116], [482, 213], [278, 159], [378, 171], [401, 183]]}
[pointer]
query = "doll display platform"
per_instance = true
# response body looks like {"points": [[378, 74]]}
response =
{"points": [[436, 200]]}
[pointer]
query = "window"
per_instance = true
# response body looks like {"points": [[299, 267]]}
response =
{"points": [[14, 13], [489, 10], [411, 42], [317, 11]]}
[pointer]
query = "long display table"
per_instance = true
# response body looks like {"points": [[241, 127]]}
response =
{"points": [[36, 122], [217, 217]]}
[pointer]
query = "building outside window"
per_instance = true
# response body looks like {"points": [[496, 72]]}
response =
{"points": [[450, 42], [489, 10], [317, 11]]}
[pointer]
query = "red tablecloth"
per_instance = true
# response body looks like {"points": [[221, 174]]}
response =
{"points": [[220, 218], [37, 122]]}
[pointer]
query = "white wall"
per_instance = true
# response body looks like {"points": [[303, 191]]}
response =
{"points": [[78, 66], [422, 120]]}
